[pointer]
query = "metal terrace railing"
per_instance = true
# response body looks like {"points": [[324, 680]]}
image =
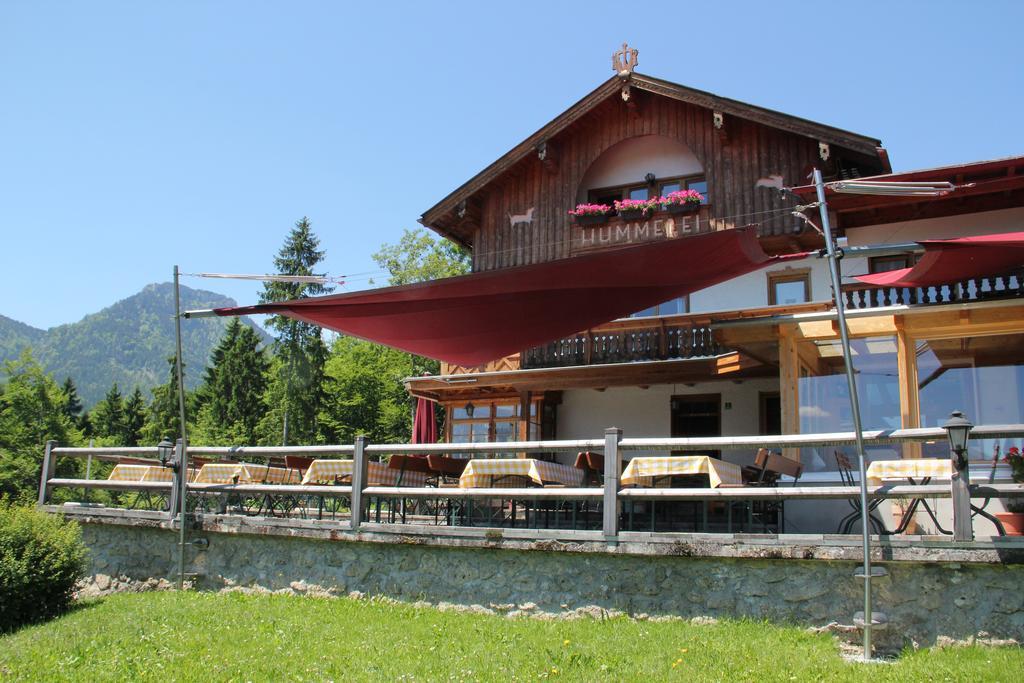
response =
{"points": [[605, 509], [1005, 286]]}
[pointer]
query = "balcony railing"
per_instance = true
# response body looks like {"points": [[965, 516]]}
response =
{"points": [[625, 342], [1005, 286]]}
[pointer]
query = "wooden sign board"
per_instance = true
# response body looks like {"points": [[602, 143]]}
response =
{"points": [[618, 233]]}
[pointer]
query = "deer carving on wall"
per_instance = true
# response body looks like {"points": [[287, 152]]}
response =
{"points": [[521, 218]]}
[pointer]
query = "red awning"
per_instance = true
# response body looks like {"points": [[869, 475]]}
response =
{"points": [[472, 319], [956, 259]]}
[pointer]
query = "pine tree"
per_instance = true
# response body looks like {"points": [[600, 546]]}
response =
{"points": [[233, 390], [163, 417], [72, 403], [299, 344], [134, 418], [108, 415]]}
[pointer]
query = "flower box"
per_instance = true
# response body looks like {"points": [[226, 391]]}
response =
{"points": [[590, 218], [685, 207], [633, 214]]}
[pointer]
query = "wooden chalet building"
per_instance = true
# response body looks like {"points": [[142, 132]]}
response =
{"points": [[758, 354]]}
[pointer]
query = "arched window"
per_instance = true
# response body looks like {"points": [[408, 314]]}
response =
{"points": [[640, 168]]}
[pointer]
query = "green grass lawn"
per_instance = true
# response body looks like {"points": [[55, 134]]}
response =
{"points": [[234, 637]]}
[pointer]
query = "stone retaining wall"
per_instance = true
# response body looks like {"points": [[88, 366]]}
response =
{"points": [[926, 602]]}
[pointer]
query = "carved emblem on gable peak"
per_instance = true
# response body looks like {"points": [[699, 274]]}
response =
{"points": [[624, 60]]}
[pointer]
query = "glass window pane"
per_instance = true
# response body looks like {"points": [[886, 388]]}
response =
{"points": [[825, 400], [505, 410], [700, 186], [459, 414], [671, 307], [670, 187], [981, 376], [638, 193], [653, 310], [506, 431], [480, 432], [790, 291], [884, 264], [460, 432]]}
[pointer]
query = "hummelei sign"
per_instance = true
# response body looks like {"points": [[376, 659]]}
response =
{"points": [[618, 232]]}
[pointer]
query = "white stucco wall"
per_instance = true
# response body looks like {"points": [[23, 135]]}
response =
{"points": [[989, 222], [751, 290], [586, 413], [630, 160]]}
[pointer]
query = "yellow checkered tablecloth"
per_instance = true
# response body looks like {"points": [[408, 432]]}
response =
{"points": [[482, 473], [245, 473], [377, 474], [911, 468], [145, 473], [642, 471], [139, 473]]}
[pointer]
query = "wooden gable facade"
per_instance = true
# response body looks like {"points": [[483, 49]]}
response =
{"points": [[515, 212]]}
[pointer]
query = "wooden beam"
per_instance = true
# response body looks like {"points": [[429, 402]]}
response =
{"points": [[910, 406], [978, 322], [789, 388]]}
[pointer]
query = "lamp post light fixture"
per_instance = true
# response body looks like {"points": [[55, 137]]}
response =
{"points": [[469, 409], [650, 178], [163, 451], [958, 429]]}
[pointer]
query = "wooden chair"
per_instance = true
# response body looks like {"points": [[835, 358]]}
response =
{"points": [[448, 469], [592, 465], [773, 466], [767, 470], [298, 464], [409, 463]]}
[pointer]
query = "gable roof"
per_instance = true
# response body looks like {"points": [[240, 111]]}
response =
{"points": [[701, 98]]}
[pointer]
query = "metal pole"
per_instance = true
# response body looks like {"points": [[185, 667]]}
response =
{"points": [[183, 442], [844, 336]]}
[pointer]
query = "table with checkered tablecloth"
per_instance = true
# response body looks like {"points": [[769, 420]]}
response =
{"points": [[245, 473], [505, 471], [912, 468], [644, 471], [144, 473], [377, 474]]}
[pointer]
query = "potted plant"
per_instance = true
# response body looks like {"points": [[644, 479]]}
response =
{"points": [[1013, 518], [682, 201], [591, 214], [634, 209]]}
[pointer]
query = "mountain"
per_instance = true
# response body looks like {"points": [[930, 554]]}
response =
{"points": [[128, 342], [14, 336]]}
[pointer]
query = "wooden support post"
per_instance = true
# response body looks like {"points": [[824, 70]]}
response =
{"points": [[963, 528], [612, 468], [49, 471], [524, 419], [358, 481], [789, 388], [906, 370]]}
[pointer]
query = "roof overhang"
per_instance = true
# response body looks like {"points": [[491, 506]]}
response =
{"points": [[730, 365], [981, 186]]}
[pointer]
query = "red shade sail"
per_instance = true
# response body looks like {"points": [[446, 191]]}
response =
{"points": [[472, 319], [424, 424], [956, 259]]}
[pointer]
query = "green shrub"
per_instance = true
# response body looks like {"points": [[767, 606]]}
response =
{"points": [[41, 558]]}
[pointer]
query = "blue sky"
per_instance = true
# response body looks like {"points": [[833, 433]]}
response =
{"points": [[134, 136]]}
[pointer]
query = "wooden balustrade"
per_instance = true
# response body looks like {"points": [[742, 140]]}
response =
{"points": [[1004, 286], [625, 342]]}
